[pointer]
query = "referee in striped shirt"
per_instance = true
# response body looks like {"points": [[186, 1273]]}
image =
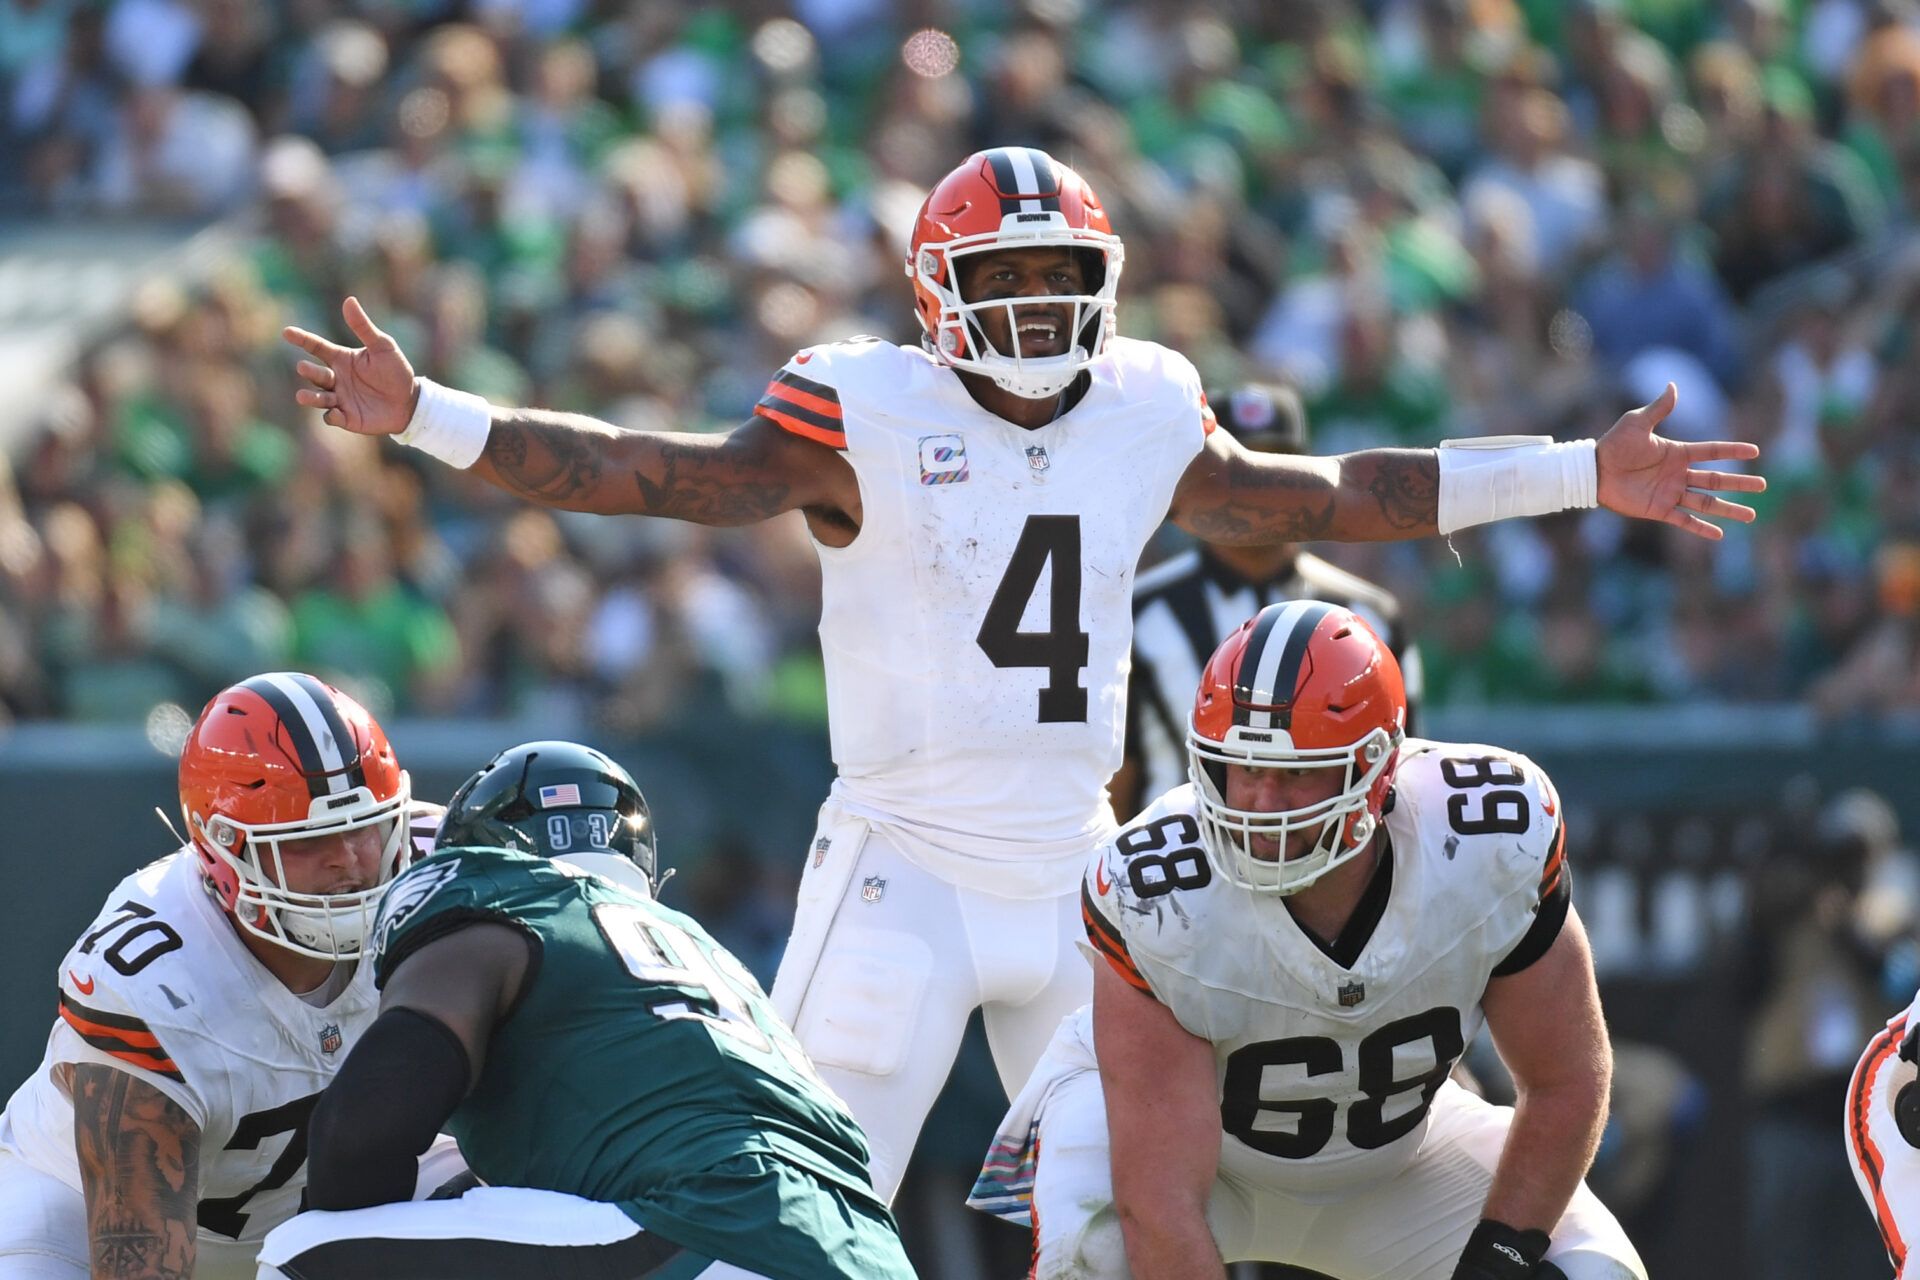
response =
{"points": [[1184, 607]]}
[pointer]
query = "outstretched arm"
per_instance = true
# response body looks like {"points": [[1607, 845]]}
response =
{"points": [[580, 463], [1232, 495]]}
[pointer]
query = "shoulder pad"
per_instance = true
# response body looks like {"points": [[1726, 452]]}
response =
{"points": [[135, 978], [429, 881], [1485, 806], [1153, 373], [804, 397], [453, 887], [1154, 856]]}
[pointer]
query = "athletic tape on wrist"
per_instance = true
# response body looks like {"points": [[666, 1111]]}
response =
{"points": [[1499, 477], [450, 425]]}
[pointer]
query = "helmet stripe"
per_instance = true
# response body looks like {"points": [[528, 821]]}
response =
{"points": [[314, 728], [1027, 181], [346, 747], [1046, 179], [1270, 667], [1246, 682], [1004, 179]]}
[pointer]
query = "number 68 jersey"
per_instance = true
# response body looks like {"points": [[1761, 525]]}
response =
{"points": [[1329, 1054]]}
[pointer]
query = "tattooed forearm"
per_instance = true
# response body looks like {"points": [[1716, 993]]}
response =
{"points": [[724, 486], [553, 459], [581, 464], [1405, 486], [139, 1163], [1375, 495], [1248, 499]]}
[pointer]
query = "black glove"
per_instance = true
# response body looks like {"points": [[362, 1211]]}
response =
{"points": [[1496, 1251]]}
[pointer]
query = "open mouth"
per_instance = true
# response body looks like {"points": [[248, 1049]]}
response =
{"points": [[1041, 336]]}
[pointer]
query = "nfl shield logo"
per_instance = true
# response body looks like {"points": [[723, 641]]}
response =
{"points": [[820, 848], [330, 1038], [1351, 994], [872, 888], [1037, 459]]}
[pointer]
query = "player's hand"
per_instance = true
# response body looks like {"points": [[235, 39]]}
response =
{"points": [[367, 389], [1496, 1251], [1650, 477]]}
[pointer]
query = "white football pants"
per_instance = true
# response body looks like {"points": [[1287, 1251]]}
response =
{"points": [[490, 1233], [1410, 1227], [888, 960], [43, 1223], [1885, 1166]]}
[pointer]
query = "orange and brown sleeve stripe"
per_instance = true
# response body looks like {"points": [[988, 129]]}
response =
{"points": [[804, 407], [1106, 940], [1207, 421], [1556, 861], [126, 1038], [1866, 1153]]}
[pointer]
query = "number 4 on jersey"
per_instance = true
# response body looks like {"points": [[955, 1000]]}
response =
{"points": [[1063, 647]]}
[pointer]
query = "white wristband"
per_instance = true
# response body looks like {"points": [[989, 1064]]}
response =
{"points": [[1498, 477], [451, 425]]}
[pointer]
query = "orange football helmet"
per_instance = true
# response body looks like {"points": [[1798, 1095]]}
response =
{"points": [[1301, 685], [1011, 198], [279, 758]]}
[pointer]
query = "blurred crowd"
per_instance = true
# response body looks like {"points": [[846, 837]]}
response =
{"points": [[1436, 218]]}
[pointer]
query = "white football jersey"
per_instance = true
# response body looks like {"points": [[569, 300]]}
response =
{"points": [[161, 987], [1326, 1069], [978, 626]]}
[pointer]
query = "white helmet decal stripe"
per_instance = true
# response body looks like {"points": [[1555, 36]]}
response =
{"points": [[332, 761], [1279, 639], [1025, 180]]}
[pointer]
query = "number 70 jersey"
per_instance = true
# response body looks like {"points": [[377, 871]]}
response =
{"points": [[979, 626], [160, 987], [1329, 1055]]}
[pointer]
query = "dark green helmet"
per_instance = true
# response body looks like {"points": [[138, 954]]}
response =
{"points": [[553, 799]]}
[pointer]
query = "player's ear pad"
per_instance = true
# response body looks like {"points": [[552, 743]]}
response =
{"points": [[1906, 1112]]}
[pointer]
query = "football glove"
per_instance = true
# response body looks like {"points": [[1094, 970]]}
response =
{"points": [[1496, 1251]]}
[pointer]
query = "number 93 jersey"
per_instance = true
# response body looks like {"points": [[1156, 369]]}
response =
{"points": [[981, 619], [640, 1061], [1329, 1054]]}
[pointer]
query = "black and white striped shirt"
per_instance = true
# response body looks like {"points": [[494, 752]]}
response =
{"points": [[1182, 610]]}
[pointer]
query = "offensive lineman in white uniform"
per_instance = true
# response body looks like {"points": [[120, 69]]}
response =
{"points": [[1883, 1132], [979, 504], [1298, 944], [210, 1002]]}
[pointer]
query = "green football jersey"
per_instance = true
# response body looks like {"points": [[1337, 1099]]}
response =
{"points": [[643, 1066]]}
